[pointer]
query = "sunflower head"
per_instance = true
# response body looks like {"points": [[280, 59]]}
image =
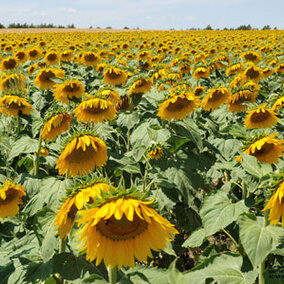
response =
{"points": [[55, 125], [260, 117], [82, 155], [34, 53], [51, 58], [125, 228], [13, 105], [96, 110], [279, 103], [76, 200], [140, 86], [115, 76], [68, 91], [201, 72], [215, 98], [10, 199], [253, 73], [266, 149], [156, 152], [178, 106], [9, 63], [44, 77], [90, 58], [276, 205]]}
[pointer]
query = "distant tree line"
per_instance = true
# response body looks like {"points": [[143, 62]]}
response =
{"points": [[240, 28], [31, 26]]}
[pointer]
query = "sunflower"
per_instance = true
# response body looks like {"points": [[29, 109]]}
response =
{"points": [[236, 101], [155, 153], [266, 72], [51, 58], [251, 56], [184, 68], [178, 106], [32, 69], [66, 55], [215, 98], [100, 67], [278, 104], [109, 94], [276, 206], [253, 73], [82, 155], [43, 152], [261, 117], [279, 68], [34, 53], [123, 103], [96, 110], [201, 72], [68, 90], [44, 77], [267, 149], [13, 105], [140, 86], [65, 216], [198, 90], [236, 68], [56, 125], [115, 76], [12, 82], [9, 63], [21, 55], [123, 230], [10, 199], [90, 58]]}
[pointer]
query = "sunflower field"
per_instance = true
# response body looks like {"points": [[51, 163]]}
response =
{"points": [[142, 157]]}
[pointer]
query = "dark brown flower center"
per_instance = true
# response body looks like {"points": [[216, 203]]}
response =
{"points": [[266, 148], [122, 229], [252, 73], [10, 195], [260, 117], [45, 76], [216, 96], [90, 57], [10, 64], [51, 57], [33, 53], [71, 88], [178, 105]]}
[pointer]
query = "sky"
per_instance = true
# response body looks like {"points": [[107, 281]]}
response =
{"points": [[145, 14]]}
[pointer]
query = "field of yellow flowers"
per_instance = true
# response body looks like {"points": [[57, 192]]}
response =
{"points": [[142, 157]]}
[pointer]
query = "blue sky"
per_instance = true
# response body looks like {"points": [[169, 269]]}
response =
{"points": [[145, 14]]}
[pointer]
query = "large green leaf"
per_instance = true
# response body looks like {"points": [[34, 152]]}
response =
{"points": [[218, 212], [195, 239], [224, 269], [258, 239], [24, 145]]}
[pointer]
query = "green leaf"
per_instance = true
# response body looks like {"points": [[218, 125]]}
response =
{"points": [[24, 145], [218, 212], [176, 142], [250, 165], [258, 239], [224, 269], [142, 274], [196, 239], [128, 120], [71, 267], [174, 275]]}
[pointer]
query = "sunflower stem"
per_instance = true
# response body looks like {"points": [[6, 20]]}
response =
{"points": [[231, 238], [112, 275], [62, 245], [244, 191], [262, 265], [36, 166], [18, 125]]}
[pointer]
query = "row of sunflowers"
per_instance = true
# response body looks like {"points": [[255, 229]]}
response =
{"points": [[141, 157]]}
